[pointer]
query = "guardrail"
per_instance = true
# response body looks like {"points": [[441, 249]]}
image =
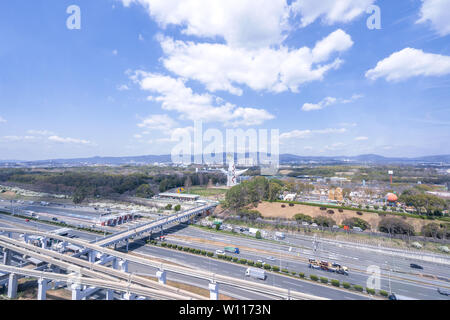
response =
{"points": [[88, 268], [200, 274]]}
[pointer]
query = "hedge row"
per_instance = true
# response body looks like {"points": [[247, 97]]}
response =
{"points": [[334, 282]]}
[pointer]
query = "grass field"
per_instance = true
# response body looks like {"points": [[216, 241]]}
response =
{"points": [[206, 192]]}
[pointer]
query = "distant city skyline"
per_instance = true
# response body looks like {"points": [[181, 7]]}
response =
{"points": [[139, 70]]}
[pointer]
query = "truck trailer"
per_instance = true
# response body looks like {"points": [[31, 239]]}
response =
{"points": [[256, 273], [232, 250]]}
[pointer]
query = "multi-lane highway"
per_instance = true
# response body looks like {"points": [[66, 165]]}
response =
{"points": [[291, 253]]}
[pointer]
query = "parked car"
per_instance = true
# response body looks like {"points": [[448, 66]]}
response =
{"points": [[314, 225], [260, 261], [304, 223], [416, 266], [220, 252], [271, 258], [27, 220], [357, 229], [335, 227]]}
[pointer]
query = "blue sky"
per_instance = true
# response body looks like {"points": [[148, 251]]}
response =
{"points": [[139, 70]]}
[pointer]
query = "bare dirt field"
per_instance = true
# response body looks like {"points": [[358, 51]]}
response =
{"points": [[274, 209]]}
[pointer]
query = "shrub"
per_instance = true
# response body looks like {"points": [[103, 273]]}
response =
{"points": [[192, 250], [210, 254], [186, 249], [358, 288], [276, 269], [203, 253], [323, 280], [163, 244], [175, 246], [324, 221], [169, 245], [293, 273], [335, 283], [258, 235], [370, 291], [180, 248], [251, 263], [383, 293], [267, 267], [303, 217], [235, 259], [259, 264], [243, 261], [395, 226], [301, 274], [197, 251], [314, 277], [356, 222], [285, 270], [346, 285]]}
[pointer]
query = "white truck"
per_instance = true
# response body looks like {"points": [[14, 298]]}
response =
{"points": [[255, 273]]}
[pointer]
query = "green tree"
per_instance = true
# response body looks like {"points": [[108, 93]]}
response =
{"points": [[144, 191], [258, 235]]}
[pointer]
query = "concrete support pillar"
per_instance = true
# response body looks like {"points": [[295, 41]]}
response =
{"points": [[6, 256], [214, 291], [92, 255], [129, 296], [127, 244], [109, 294], [12, 286], [115, 264], [42, 289], [161, 277], [76, 291], [25, 238], [123, 265], [44, 243]]}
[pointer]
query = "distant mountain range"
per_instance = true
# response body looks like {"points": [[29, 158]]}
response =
{"points": [[284, 159]]}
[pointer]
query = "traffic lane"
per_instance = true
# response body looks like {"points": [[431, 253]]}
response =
{"points": [[416, 290], [238, 271], [361, 259], [201, 283]]}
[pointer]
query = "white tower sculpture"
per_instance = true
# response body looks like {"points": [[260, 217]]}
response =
{"points": [[232, 174]]}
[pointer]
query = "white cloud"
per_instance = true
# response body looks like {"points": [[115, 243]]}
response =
{"points": [[221, 67], [157, 122], [303, 134], [40, 132], [18, 138], [361, 138], [242, 23], [115, 52], [328, 101], [437, 13], [123, 87], [68, 140], [331, 11], [2, 120], [175, 96], [409, 63]]}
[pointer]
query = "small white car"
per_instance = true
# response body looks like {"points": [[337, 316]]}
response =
{"points": [[314, 225], [305, 224], [220, 252], [335, 227], [260, 261]]}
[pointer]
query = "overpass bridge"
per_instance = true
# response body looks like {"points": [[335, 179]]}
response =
{"points": [[95, 251], [159, 224]]}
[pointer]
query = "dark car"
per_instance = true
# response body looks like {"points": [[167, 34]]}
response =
{"points": [[415, 266]]}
